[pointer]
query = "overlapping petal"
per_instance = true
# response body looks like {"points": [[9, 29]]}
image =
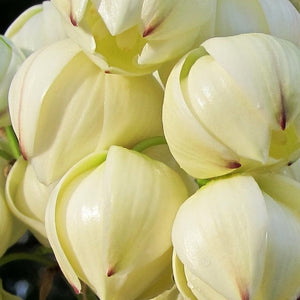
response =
{"points": [[38, 26], [121, 234], [238, 238], [64, 107], [233, 105], [27, 198]]}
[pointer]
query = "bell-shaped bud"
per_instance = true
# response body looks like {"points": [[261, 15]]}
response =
{"points": [[239, 239], [27, 198], [38, 26], [64, 107], [109, 224], [135, 36], [233, 105], [11, 229], [10, 60], [5, 295]]}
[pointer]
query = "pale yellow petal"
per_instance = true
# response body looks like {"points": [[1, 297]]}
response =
{"points": [[219, 234]]}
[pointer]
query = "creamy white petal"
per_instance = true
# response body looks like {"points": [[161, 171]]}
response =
{"points": [[27, 198], [235, 17], [38, 26], [283, 19], [205, 155], [269, 81], [105, 238], [219, 234], [224, 110], [282, 265], [120, 15]]}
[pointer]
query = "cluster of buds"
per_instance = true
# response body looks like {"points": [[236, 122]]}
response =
{"points": [[158, 145]]}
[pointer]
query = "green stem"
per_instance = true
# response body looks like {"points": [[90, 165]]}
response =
{"points": [[12, 142], [6, 155], [154, 141], [202, 182], [25, 256]]}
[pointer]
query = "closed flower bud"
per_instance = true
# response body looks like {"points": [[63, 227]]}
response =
{"points": [[64, 107], [10, 60], [109, 224], [11, 229], [38, 26], [27, 198], [233, 105], [135, 36], [239, 239]]}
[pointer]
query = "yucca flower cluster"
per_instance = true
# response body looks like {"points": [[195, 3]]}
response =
{"points": [[157, 145]]}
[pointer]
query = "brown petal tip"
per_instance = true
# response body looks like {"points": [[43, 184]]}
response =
{"points": [[23, 152], [245, 296], [282, 116], [282, 120], [148, 30], [233, 165], [75, 289], [110, 272], [73, 21]]}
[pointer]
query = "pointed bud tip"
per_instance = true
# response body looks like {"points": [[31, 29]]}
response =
{"points": [[282, 121], [148, 30], [110, 272], [282, 117], [76, 291], [233, 165], [73, 21], [245, 296], [23, 153]]}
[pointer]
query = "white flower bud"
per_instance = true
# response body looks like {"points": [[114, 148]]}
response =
{"points": [[11, 229], [233, 105], [27, 198], [239, 239], [109, 224], [64, 107]]}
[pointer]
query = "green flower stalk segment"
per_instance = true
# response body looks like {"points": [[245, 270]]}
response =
{"points": [[109, 224], [232, 105], [63, 107], [238, 238]]}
